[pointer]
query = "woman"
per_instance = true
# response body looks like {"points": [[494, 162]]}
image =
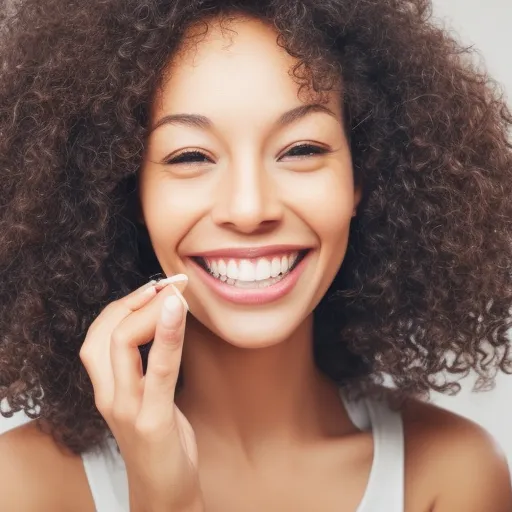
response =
{"points": [[326, 186]]}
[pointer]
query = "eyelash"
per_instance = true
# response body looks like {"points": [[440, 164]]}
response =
{"points": [[185, 157]]}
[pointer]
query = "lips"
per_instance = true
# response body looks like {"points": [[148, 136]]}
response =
{"points": [[249, 252], [250, 276]]}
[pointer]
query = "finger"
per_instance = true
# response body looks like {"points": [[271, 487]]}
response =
{"points": [[138, 298], [112, 314], [178, 278], [95, 351], [136, 329], [164, 359], [126, 365]]}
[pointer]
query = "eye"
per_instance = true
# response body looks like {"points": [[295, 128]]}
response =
{"points": [[305, 150], [188, 157], [298, 151]]}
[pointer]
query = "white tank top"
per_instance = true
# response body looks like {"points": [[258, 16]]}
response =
{"points": [[106, 472]]}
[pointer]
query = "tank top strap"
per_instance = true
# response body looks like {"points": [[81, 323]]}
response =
{"points": [[358, 412], [106, 474], [386, 487]]}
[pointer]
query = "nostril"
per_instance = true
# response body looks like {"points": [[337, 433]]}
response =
{"points": [[256, 228]]}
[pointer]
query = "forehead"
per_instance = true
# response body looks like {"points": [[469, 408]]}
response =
{"points": [[231, 62]]}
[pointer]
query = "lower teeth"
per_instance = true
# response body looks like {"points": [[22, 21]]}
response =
{"points": [[250, 284]]}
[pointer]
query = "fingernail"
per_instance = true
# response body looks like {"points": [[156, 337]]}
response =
{"points": [[172, 312], [180, 296], [149, 291]]}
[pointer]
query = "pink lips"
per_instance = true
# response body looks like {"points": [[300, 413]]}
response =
{"points": [[255, 296], [250, 252]]}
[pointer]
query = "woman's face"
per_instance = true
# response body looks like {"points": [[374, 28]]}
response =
{"points": [[246, 188]]}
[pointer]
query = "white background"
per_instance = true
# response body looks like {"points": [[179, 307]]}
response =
{"points": [[487, 26]]}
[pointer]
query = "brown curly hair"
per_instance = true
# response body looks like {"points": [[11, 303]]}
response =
{"points": [[425, 288]]}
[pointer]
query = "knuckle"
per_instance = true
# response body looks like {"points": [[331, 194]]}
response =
{"points": [[122, 414], [86, 347], [161, 369], [84, 354], [90, 340], [145, 428], [117, 337], [103, 405], [171, 338], [87, 356]]}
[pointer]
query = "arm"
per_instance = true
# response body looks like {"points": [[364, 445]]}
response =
{"points": [[37, 476], [477, 475], [16, 491], [22, 486], [452, 463]]}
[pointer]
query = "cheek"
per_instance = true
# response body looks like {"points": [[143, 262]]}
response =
{"points": [[170, 214], [325, 201]]}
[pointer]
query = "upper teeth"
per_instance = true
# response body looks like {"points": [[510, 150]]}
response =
{"points": [[252, 270]]}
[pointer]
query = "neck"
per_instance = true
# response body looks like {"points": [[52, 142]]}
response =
{"points": [[246, 396]]}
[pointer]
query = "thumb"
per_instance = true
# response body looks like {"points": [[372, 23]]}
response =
{"points": [[165, 356]]}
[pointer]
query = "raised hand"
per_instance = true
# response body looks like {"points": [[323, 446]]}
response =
{"points": [[155, 439]]}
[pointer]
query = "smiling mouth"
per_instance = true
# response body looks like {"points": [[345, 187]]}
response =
{"points": [[252, 273]]}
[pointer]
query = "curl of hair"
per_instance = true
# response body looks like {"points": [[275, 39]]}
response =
{"points": [[425, 289]]}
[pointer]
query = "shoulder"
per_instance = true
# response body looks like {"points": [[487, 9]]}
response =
{"points": [[37, 475], [452, 463]]}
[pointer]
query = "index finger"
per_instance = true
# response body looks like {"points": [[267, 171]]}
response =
{"points": [[95, 350]]}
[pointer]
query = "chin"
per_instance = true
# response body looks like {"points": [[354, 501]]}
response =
{"points": [[252, 331], [257, 316]]}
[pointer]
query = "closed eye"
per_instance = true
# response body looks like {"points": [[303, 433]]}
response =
{"points": [[298, 151], [188, 157], [305, 150]]}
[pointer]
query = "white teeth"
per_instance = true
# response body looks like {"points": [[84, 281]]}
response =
{"points": [[284, 264], [232, 270], [262, 269], [246, 271], [275, 267], [222, 267], [258, 284]]}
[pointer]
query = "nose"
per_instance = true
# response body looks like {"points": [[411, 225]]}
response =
{"points": [[247, 200]]}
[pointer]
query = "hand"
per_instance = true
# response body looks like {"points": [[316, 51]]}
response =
{"points": [[155, 439]]}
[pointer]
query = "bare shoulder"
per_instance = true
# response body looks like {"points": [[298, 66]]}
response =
{"points": [[36, 475], [452, 463]]}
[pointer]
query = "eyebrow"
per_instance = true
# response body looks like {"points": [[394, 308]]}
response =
{"points": [[202, 122]]}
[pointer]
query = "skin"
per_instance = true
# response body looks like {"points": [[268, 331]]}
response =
{"points": [[249, 194], [252, 391]]}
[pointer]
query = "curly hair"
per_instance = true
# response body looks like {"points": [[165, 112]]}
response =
{"points": [[425, 288]]}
